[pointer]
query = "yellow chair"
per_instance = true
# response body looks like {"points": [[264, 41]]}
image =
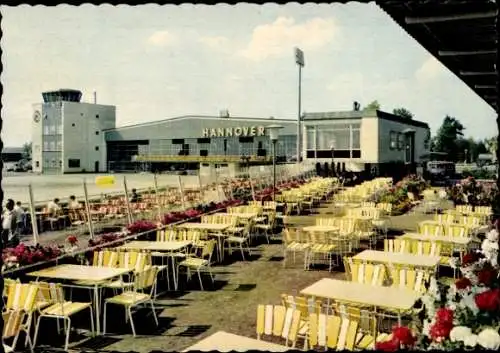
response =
{"points": [[365, 273], [397, 245], [199, 263], [321, 246], [278, 321], [141, 294], [12, 327], [105, 258], [368, 328], [294, 243], [306, 306], [456, 231], [409, 278], [23, 297], [427, 248], [59, 308], [332, 332], [431, 229]]}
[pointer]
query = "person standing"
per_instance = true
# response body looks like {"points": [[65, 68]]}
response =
{"points": [[20, 217], [10, 236]]}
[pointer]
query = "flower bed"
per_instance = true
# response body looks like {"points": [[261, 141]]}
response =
{"points": [[23, 255], [470, 191], [461, 315], [397, 195]]}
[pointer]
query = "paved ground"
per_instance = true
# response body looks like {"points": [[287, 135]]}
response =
{"points": [[190, 315]]}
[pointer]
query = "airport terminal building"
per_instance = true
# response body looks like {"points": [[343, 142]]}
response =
{"points": [[70, 136]]}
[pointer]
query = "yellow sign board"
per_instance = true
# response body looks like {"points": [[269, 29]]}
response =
{"points": [[105, 180]]}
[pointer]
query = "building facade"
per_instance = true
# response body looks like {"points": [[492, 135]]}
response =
{"points": [[196, 139], [68, 134], [364, 140]]}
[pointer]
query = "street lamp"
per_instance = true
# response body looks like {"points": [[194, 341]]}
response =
{"points": [[332, 148], [299, 60], [273, 135]]}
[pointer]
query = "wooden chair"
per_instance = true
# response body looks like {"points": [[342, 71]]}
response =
{"points": [[366, 273], [140, 295], [200, 263], [409, 278], [59, 309], [278, 321], [12, 326]]}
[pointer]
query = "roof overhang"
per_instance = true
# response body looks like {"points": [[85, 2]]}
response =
{"points": [[462, 35]]}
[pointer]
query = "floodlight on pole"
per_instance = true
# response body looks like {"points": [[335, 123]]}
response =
{"points": [[274, 135], [299, 60]]}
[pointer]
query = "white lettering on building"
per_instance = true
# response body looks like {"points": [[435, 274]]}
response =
{"points": [[238, 131]]}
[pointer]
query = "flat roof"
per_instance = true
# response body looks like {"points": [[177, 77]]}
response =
{"points": [[359, 114], [208, 117]]}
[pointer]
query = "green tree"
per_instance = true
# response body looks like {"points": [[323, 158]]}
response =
{"points": [[403, 112], [27, 150], [375, 105], [446, 138]]}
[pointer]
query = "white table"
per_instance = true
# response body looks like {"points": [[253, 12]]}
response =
{"points": [[93, 274], [463, 241], [160, 246], [225, 342], [398, 258], [318, 228], [398, 299]]}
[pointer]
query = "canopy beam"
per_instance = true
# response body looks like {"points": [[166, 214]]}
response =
{"points": [[464, 53], [478, 73], [456, 17]]}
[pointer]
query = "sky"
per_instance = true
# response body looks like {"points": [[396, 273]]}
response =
{"points": [[155, 62]]}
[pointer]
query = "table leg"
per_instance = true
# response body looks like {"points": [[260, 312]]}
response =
{"points": [[174, 277], [97, 304]]}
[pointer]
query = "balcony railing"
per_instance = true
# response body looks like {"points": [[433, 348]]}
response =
{"points": [[200, 159]]}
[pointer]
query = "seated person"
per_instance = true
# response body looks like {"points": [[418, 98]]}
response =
{"points": [[73, 204], [53, 207], [134, 197]]}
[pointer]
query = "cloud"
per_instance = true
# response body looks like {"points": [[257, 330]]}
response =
{"points": [[279, 37], [430, 69], [161, 38], [214, 42]]}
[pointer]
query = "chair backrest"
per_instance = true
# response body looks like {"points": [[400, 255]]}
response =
{"points": [[409, 278], [13, 321], [105, 258], [386, 207], [6, 284], [372, 274], [21, 296], [367, 319], [168, 234], [145, 279], [456, 231], [444, 218], [429, 248], [136, 260], [397, 245], [332, 331], [305, 305], [208, 249], [50, 293], [431, 229], [278, 321]]}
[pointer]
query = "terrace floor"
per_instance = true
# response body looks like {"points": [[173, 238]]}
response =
{"points": [[190, 315]]}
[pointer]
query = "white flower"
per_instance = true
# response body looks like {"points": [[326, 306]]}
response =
{"points": [[489, 339], [459, 333], [453, 262], [426, 328], [469, 302], [470, 341]]}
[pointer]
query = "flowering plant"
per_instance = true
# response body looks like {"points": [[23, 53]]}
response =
{"points": [[402, 337], [27, 255]]}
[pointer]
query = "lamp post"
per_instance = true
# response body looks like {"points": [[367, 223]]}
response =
{"points": [[273, 135], [332, 148], [299, 60]]}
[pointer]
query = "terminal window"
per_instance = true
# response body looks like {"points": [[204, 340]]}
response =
{"points": [[73, 163]]}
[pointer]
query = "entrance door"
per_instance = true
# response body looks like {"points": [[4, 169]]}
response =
{"points": [[96, 167]]}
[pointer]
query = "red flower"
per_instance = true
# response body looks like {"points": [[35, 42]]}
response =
{"points": [[463, 283], [387, 346], [486, 276], [72, 239], [445, 317], [403, 335], [440, 331], [469, 259], [489, 300]]}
